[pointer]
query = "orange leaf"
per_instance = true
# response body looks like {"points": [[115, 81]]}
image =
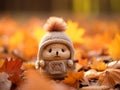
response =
{"points": [[15, 78], [12, 66], [83, 62], [73, 77], [28, 65], [98, 65]]}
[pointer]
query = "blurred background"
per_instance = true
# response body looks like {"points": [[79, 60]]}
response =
{"points": [[21, 24], [86, 7]]}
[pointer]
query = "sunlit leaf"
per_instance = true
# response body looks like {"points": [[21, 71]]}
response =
{"points": [[98, 65], [73, 77], [27, 66], [1, 62], [74, 32], [114, 48]]}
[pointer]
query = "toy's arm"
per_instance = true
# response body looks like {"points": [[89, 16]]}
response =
{"points": [[39, 63], [71, 62]]}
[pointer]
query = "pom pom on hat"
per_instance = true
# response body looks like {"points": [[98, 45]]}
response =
{"points": [[55, 24]]}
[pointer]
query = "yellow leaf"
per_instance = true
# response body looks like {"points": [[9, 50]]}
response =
{"points": [[114, 47], [28, 65], [98, 65], [1, 62], [74, 32]]}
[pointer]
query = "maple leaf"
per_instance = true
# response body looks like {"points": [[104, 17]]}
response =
{"points": [[114, 47], [13, 69], [12, 66], [98, 65], [73, 78], [15, 78], [75, 32]]}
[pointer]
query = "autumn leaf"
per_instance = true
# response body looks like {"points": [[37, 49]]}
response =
{"points": [[15, 78], [83, 62], [28, 65], [114, 48], [1, 62], [98, 65], [75, 32], [110, 77], [12, 66], [73, 77]]}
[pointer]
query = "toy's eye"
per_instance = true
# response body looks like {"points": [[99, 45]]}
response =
{"points": [[50, 50], [63, 50]]}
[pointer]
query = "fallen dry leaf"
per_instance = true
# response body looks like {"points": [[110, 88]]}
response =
{"points": [[1, 62], [114, 48], [114, 64], [95, 88], [110, 77], [73, 78], [28, 65], [13, 68], [98, 65], [92, 74], [83, 62]]}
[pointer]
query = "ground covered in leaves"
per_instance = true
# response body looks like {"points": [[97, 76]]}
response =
{"points": [[97, 50]]}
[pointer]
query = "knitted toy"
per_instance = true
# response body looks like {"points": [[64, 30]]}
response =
{"points": [[56, 52]]}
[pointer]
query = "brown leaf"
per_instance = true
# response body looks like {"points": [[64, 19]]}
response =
{"points": [[110, 77], [92, 74]]}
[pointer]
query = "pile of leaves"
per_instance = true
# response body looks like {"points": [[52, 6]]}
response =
{"points": [[98, 66], [97, 72]]}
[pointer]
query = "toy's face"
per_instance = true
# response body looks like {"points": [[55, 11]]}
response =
{"points": [[56, 52]]}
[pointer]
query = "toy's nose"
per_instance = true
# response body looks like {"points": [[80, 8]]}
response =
{"points": [[57, 53]]}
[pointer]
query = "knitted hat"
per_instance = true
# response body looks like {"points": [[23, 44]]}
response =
{"points": [[55, 27]]}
